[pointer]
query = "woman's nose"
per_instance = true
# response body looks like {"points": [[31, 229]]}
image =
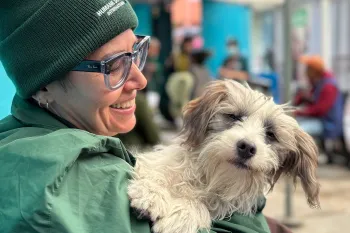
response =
{"points": [[136, 79]]}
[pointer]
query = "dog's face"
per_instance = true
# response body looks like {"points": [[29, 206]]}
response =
{"points": [[244, 132]]}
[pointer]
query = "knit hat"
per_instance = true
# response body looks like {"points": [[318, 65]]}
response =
{"points": [[313, 61], [42, 40]]}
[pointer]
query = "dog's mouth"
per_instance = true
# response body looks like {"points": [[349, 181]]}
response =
{"points": [[240, 164]]}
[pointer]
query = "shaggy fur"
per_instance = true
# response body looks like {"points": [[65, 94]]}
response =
{"points": [[200, 177]]}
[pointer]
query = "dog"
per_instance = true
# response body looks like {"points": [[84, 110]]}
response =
{"points": [[234, 146]]}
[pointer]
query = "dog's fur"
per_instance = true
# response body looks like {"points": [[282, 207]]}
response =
{"points": [[200, 177]]}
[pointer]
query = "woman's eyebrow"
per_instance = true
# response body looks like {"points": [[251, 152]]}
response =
{"points": [[107, 55]]}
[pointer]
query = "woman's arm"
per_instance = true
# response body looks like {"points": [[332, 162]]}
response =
{"points": [[244, 224]]}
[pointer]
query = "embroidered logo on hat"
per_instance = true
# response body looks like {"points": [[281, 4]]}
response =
{"points": [[111, 7]]}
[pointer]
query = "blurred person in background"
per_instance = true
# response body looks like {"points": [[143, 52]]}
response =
{"points": [[179, 61], [154, 74], [235, 64], [182, 59], [186, 85], [179, 89], [269, 60], [320, 111], [199, 71]]}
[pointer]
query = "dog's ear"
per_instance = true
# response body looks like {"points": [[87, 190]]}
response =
{"points": [[307, 166], [197, 113], [303, 163]]}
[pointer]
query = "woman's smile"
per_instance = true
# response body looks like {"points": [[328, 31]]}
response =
{"points": [[124, 108]]}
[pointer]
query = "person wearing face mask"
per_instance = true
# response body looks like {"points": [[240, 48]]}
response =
{"points": [[235, 65], [76, 66]]}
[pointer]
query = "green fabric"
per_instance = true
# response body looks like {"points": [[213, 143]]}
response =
{"points": [[243, 224], [179, 88], [62, 180], [182, 62], [42, 40]]}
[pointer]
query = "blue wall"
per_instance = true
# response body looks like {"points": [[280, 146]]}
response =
{"points": [[144, 13], [221, 21], [7, 90]]}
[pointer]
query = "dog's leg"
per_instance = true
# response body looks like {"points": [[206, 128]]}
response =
{"points": [[148, 198], [184, 216], [170, 215]]}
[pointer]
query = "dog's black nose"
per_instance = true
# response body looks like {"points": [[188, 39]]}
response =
{"points": [[246, 149]]}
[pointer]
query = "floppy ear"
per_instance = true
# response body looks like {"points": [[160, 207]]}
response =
{"points": [[197, 113], [306, 169], [303, 163]]}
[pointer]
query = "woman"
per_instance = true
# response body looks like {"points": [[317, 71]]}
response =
{"points": [[77, 68]]}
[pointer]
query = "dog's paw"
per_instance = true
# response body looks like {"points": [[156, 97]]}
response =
{"points": [[181, 220], [148, 202]]}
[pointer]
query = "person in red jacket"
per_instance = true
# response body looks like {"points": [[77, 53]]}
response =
{"points": [[320, 111]]}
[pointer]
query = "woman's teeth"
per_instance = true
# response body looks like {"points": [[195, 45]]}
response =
{"points": [[127, 104]]}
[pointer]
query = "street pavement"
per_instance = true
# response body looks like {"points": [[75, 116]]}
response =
{"points": [[334, 215]]}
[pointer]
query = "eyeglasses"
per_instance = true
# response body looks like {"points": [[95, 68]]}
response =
{"points": [[116, 68]]}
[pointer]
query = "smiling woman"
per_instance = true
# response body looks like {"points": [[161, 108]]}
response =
{"points": [[76, 76], [76, 66], [98, 86]]}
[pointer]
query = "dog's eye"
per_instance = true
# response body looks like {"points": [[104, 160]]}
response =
{"points": [[271, 136], [235, 117]]}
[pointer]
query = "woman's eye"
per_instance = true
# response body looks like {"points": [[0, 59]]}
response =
{"points": [[235, 117], [117, 65]]}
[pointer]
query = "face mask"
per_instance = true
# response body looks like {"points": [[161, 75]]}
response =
{"points": [[233, 50]]}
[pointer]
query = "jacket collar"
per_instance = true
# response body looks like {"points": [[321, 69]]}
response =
{"points": [[31, 115]]}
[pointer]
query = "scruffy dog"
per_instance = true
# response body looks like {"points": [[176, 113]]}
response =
{"points": [[234, 146]]}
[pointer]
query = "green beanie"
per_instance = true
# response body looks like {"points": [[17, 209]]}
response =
{"points": [[42, 40]]}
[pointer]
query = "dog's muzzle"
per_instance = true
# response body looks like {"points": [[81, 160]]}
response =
{"points": [[245, 149]]}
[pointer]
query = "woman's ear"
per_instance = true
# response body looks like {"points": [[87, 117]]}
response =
{"points": [[43, 97]]}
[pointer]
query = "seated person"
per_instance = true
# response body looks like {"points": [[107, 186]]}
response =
{"points": [[199, 71], [232, 69], [321, 108], [235, 65]]}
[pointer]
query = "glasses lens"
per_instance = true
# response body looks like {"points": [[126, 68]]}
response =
{"points": [[141, 56], [118, 71]]}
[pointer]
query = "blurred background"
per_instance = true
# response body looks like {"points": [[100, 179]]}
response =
{"points": [[261, 42]]}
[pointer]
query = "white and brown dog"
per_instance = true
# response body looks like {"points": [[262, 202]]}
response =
{"points": [[234, 146]]}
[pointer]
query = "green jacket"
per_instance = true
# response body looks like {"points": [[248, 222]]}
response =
{"points": [[56, 179]]}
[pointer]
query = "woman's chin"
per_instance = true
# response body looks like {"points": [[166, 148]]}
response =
{"points": [[124, 126]]}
